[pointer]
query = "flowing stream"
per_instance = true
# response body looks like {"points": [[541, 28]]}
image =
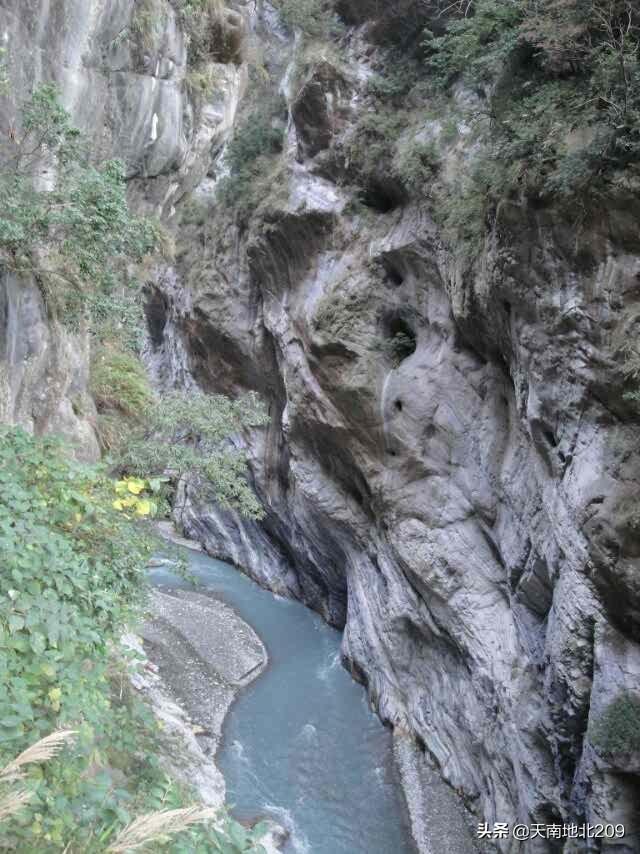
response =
{"points": [[300, 743]]}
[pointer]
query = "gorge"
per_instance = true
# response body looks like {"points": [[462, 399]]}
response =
{"points": [[449, 471]]}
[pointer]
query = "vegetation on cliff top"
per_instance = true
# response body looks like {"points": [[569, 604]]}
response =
{"points": [[560, 84], [547, 94]]}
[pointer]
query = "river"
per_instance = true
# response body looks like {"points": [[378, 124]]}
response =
{"points": [[301, 744]]}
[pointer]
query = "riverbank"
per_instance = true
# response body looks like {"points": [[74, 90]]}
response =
{"points": [[197, 653]]}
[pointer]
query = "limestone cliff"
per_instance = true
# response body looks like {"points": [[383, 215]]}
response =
{"points": [[464, 504], [122, 76], [464, 508]]}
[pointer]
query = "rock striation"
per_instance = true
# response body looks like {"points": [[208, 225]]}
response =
{"points": [[465, 512], [464, 506]]}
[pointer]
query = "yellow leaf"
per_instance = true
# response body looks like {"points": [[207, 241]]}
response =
{"points": [[143, 508], [120, 487], [118, 504], [135, 485], [55, 694], [78, 517]]}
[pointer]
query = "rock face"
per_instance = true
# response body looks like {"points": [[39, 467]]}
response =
{"points": [[43, 370], [463, 505], [124, 83]]}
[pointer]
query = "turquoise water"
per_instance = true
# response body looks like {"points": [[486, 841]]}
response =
{"points": [[301, 744]]}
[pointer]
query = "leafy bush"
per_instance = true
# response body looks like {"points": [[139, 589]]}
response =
{"points": [[187, 434], [70, 227], [249, 157], [73, 577], [314, 18], [71, 580], [617, 730], [180, 433]]}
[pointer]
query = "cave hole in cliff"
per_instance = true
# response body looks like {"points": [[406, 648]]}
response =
{"points": [[398, 405], [393, 275], [381, 197], [400, 339], [156, 311]]}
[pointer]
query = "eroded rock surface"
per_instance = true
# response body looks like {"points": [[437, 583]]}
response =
{"points": [[123, 79], [463, 508], [466, 507]]}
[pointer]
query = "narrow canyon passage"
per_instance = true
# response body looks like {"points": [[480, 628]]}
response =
{"points": [[301, 744]]}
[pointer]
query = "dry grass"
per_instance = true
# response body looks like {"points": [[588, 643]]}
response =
{"points": [[153, 826], [41, 751], [13, 803]]}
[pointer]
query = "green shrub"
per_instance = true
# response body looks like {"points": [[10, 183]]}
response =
{"points": [[122, 394], [314, 18], [119, 382], [148, 21], [250, 157], [415, 163], [370, 149], [463, 209], [187, 434], [394, 83], [617, 730], [77, 234], [73, 578], [382, 146], [201, 83]]}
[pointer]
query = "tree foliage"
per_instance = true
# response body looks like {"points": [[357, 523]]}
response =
{"points": [[189, 433], [62, 218], [561, 80], [314, 18]]}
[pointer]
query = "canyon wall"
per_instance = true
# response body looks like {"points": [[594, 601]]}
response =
{"points": [[466, 512], [464, 507]]}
